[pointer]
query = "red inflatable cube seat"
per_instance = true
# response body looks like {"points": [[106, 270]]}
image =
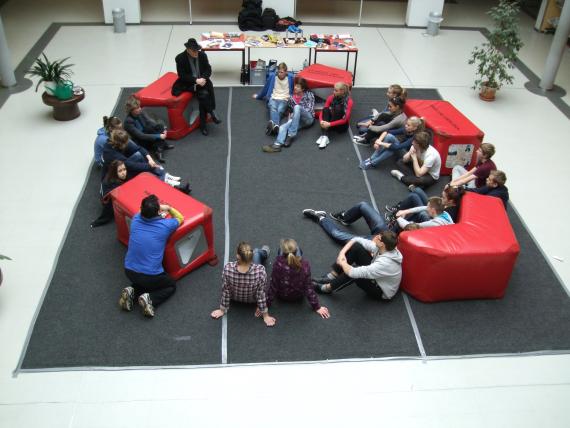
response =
{"points": [[158, 94], [472, 259], [455, 137], [191, 245], [322, 76]]}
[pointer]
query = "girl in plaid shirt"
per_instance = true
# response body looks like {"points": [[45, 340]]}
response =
{"points": [[244, 280]]}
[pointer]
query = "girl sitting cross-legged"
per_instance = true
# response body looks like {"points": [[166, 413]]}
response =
{"points": [[336, 113], [394, 143], [385, 116], [291, 278]]}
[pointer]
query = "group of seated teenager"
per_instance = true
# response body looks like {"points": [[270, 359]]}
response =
{"points": [[124, 150], [291, 107]]}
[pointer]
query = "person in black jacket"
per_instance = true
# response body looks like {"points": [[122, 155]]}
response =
{"points": [[194, 73], [495, 186], [116, 175], [144, 130]]}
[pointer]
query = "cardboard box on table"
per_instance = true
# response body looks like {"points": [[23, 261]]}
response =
{"points": [[191, 245], [455, 137]]}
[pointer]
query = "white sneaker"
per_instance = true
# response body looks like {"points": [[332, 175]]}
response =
{"points": [[172, 177], [375, 112], [173, 183], [397, 174], [324, 142], [318, 142], [358, 138]]}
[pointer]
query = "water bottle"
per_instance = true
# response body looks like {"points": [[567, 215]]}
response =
{"points": [[305, 63]]}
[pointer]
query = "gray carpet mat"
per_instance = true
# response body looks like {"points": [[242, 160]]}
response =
{"points": [[80, 324]]}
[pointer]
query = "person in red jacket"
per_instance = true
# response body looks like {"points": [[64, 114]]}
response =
{"points": [[336, 113]]}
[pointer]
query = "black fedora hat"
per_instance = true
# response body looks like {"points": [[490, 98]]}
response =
{"points": [[193, 44]]}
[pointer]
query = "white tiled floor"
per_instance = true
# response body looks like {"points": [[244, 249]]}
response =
{"points": [[528, 131]]}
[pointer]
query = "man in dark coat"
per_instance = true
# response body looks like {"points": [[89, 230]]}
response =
{"points": [[194, 73]]}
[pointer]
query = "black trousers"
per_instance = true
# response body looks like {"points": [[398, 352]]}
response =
{"points": [[159, 287], [107, 215], [330, 116], [204, 94], [410, 177], [359, 256]]}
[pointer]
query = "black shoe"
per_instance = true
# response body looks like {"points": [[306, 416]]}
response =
{"points": [[314, 215], [185, 189], [160, 157], [215, 118], [204, 131], [288, 141], [275, 129], [167, 146], [269, 127], [320, 288], [389, 217], [339, 216]]}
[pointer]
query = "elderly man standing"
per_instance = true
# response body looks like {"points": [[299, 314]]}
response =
{"points": [[194, 73]]}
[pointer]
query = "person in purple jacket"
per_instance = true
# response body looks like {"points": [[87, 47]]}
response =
{"points": [[291, 278]]}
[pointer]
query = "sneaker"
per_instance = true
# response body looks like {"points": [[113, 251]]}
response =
{"points": [[171, 177], [146, 304], [173, 183], [366, 164], [324, 279], [266, 249], [393, 209], [324, 142], [389, 217], [269, 127], [318, 142], [321, 289], [314, 215], [361, 142], [339, 217], [289, 140], [375, 112], [126, 300], [275, 130], [397, 174], [272, 148], [358, 138], [411, 187]]}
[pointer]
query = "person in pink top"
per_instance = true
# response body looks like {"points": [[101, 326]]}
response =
{"points": [[336, 113]]}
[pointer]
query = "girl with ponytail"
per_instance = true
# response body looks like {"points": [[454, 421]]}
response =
{"points": [[291, 278]]}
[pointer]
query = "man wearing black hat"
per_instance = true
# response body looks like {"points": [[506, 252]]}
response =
{"points": [[194, 73]]}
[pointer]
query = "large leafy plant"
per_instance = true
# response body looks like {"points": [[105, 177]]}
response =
{"points": [[50, 71], [496, 57]]}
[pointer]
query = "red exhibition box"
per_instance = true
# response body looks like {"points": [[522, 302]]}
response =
{"points": [[323, 76], [158, 94], [455, 137], [191, 245]]}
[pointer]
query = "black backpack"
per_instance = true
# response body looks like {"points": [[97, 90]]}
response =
{"points": [[269, 18], [249, 17]]}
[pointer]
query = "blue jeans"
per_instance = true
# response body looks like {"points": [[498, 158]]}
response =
{"points": [[276, 109], [259, 256], [417, 198], [382, 153], [300, 119], [375, 222], [139, 158]]}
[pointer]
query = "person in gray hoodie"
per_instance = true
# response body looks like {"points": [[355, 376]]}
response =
{"points": [[375, 266]]}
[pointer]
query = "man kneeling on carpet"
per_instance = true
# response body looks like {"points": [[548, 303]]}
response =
{"points": [[375, 266], [244, 281], [151, 285]]}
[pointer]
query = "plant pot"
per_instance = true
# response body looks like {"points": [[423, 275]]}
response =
{"points": [[64, 91], [487, 93], [50, 87]]}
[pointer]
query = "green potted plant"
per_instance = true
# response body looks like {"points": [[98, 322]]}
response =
{"points": [[496, 57], [51, 73]]}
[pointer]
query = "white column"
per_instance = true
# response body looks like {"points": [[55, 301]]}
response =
{"points": [[556, 49], [6, 70]]}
